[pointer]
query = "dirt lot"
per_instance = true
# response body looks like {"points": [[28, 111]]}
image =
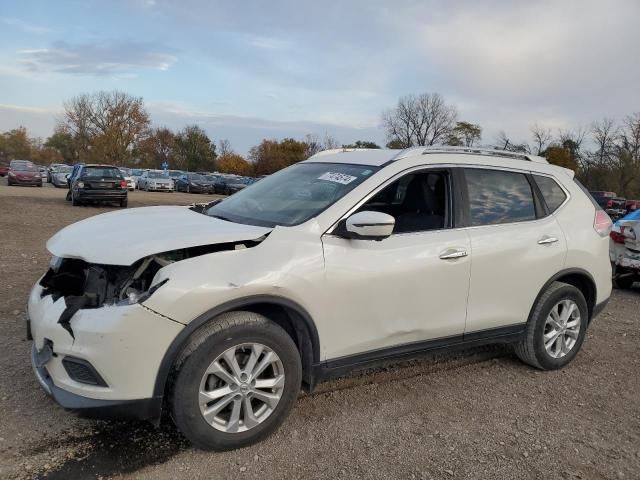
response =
{"points": [[481, 414]]}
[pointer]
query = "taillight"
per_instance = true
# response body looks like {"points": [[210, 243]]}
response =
{"points": [[123, 184], [609, 203], [602, 223], [617, 237]]}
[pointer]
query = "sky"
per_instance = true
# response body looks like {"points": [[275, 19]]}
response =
{"points": [[273, 69]]}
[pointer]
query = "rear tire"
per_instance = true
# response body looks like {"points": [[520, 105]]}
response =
{"points": [[74, 201], [123, 203], [242, 336], [552, 339]]}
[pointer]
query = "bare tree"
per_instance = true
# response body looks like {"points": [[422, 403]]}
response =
{"points": [[542, 137], [503, 142], [603, 134], [109, 123], [224, 147], [419, 120]]}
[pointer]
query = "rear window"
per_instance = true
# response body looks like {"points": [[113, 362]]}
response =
{"points": [[101, 172], [496, 197], [552, 193]]}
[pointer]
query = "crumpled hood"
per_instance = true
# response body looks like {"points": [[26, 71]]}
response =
{"points": [[122, 237]]}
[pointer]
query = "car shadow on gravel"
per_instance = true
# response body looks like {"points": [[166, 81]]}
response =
{"points": [[115, 448]]}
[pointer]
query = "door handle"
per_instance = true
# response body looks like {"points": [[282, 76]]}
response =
{"points": [[546, 240], [452, 253]]}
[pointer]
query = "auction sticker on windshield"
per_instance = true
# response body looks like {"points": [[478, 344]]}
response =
{"points": [[337, 178]]}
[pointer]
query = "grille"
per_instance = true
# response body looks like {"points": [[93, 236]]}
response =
{"points": [[82, 371]]}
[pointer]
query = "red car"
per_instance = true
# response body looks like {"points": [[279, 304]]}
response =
{"points": [[24, 173], [4, 170], [632, 205]]}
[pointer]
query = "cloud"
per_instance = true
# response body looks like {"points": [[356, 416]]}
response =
{"points": [[101, 60], [24, 26]]}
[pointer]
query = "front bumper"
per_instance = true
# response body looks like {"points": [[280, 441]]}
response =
{"points": [[124, 344], [26, 181], [160, 188], [140, 409]]}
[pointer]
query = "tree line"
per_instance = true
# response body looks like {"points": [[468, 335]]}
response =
{"points": [[114, 127]]}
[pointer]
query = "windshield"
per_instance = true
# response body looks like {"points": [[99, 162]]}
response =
{"points": [[210, 178], [157, 175], [64, 169], [174, 173], [25, 167], [102, 172], [194, 177], [293, 195], [136, 173]]}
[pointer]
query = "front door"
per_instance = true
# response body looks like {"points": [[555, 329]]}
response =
{"points": [[406, 289]]}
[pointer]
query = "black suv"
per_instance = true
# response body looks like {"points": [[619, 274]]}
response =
{"points": [[97, 183]]}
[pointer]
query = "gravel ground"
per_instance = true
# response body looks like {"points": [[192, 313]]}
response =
{"points": [[476, 414]]}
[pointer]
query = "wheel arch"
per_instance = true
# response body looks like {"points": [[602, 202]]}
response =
{"points": [[292, 317], [577, 277]]}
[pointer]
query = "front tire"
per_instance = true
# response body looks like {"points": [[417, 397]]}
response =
{"points": [[235, 382], [74, 201], [556, 330]]}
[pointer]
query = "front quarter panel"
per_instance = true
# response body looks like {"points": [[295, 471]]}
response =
{"points": [[288, 263]]}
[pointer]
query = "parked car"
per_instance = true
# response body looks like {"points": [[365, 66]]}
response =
{"points": [[4, 169], [338, 262], [235, 185], [612, 204], [155, 180], [126, 173], [135, 174], [60, 176], [24, 173], [624, 250], [52, 170], [98, 183], [632, 205], [193, 183]]}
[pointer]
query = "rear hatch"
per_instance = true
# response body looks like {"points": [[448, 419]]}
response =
{"points": [[102, 178]]}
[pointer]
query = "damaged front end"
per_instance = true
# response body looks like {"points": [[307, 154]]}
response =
{"points": [[86, 285]]}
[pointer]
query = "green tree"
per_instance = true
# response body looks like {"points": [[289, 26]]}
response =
{"points": [[194, 150], [464, 134], [15, 144], [272, 155], [62, 141], [362, 144], [561, 156]]}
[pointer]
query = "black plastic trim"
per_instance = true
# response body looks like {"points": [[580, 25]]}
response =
{"points": [[99, 381], [597, 309], [182, 338], [562, 273], [342, 365]]}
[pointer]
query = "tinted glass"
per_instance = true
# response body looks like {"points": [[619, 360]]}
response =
{"points": [[293, 195], [102, 172], [553, 195], [499, 197], [157, 175], [25, 167]]}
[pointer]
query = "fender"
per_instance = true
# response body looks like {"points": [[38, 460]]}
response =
{"points": [[562, 273], [183, 337]]}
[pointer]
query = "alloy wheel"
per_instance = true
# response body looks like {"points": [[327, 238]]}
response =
{"points": [[241, 388], [562, 328]]}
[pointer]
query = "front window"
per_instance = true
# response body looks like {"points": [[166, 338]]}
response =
{"points": [[293, 195], [136, 173], [157, 175], [25, 167]]}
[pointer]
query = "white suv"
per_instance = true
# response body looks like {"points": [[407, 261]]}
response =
{"points": [[221, 314]]}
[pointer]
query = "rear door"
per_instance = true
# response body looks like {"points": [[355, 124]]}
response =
{"points": [[516, 246]]}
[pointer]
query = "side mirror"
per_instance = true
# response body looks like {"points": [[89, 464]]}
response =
{"points": [[370, 225]]}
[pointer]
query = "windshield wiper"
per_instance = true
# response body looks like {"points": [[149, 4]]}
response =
{"points": [[221, 217]]}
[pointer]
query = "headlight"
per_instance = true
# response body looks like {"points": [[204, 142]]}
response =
{"points": [[11, 174], [80, 184]]}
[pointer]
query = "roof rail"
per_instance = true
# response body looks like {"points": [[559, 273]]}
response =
{"points": [[493, 152], [331, 151]]}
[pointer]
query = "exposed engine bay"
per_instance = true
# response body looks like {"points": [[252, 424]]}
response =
{"points": [[88, 285]]}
